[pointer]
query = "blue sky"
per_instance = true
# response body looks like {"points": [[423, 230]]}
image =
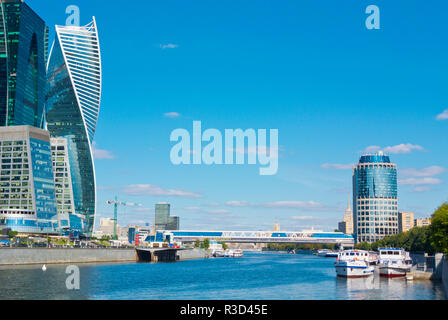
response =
{"points": [[310, 69]]}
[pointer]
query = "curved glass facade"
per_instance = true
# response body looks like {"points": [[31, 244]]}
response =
{"points": [[23, 36], [375, 198], [72, 107]]}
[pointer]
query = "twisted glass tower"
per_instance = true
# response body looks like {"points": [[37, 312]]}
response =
{"points": [[375, 198], [72, 108]]}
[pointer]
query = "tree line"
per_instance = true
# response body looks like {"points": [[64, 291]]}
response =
{"points": [[430, 239]]}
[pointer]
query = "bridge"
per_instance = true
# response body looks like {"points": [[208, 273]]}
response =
{"points": [[309, 236]]}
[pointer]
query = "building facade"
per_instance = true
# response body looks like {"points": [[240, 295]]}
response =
{"points": [[375, 198], [422, 222], [163, 219], [405, 221], [27, 192], [23, 52], [72, 107], [346, 225]]}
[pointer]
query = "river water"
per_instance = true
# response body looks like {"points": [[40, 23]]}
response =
{"points": [[254, 276]]}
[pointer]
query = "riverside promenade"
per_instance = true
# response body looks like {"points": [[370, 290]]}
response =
{"points": [[25, 256]]}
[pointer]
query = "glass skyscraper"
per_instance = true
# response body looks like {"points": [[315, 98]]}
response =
{"points": [[23, 52], [72, 107], [375, 200], [27, 194], [163, 220]]}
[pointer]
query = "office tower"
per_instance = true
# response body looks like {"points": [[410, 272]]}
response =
{"points": [[276, 227], [69, 219], [346, 225], [27, 194], [422, 222], [163, 220], [72, 107], [405, 221], [23, 39], [375, 198], [173, 223]]}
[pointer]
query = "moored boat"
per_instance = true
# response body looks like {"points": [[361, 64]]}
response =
{"points": [[237, 253], [327, 253], [218, 253], [394, 262], [353, 264]]}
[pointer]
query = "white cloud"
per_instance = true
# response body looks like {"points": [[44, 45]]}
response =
{"points": [[172, 115], [403, 148], [425, 172], [443, 115], [237, 204], [421, 189], [169, 46], [421, 178], [152, 190], [420, 181], [100, 153], [397, 149], [301, 205], [302, 218], [208, 211], [337, 166], [372, 149]]}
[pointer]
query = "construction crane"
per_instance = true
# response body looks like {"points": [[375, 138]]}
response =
{"points": [[117, 203]]}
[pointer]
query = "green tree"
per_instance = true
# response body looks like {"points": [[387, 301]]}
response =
{"points": [[206, 243], [12, 234], [439, 229], [224, 245], [197, 244]]}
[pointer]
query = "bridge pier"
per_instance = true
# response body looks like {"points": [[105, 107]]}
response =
{"points": [[156, 255]]}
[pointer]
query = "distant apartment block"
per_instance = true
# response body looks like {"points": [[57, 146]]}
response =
{"points": [[27, 191], [405, 221], [423, 222], [163, 220], [106, 228]]}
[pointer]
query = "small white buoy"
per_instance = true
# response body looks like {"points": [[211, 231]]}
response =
{"points": [[44, 268]]}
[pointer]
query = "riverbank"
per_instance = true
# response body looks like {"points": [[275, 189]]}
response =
{"points": [[26, 256], [445, 275], [23, 256], [193, 254]]}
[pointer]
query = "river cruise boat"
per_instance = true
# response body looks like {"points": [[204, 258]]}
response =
{"points": [[237, 253], [218, 253], [394, 262], [327, 253], [233, 253], [354, 264]]}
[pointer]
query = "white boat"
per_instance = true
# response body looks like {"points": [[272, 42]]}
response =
{"points": [[327, 253], [322, 252], [332, 254], [218, 253], [237, 253], [353, 264], [233, 253], [394, 262]]}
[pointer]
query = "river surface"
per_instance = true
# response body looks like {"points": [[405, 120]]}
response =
{"points": [[254, 276]]}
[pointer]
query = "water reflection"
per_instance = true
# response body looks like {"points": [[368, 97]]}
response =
{"points": [[380, 288], [255, 276]]}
